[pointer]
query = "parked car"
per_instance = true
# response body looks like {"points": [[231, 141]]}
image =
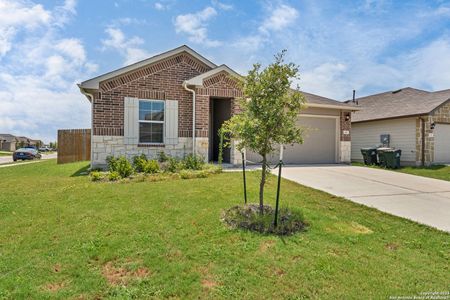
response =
{"points": [[45, 149], [30, 147], [26, 153]]}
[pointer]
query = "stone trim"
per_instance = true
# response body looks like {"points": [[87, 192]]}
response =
{"points": [[151, 69]]}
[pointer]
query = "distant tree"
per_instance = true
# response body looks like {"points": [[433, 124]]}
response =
{"points": [[269, 111]]}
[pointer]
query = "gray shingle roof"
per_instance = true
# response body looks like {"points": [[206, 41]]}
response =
{"points": [[401, 103], [316, 99], [7, 137]]}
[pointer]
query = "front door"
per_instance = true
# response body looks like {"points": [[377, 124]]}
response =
{"points": [[220, 112]]}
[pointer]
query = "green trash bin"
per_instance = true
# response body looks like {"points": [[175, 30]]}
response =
{"points": [[392, 158], [369, 155], [381, 156]]}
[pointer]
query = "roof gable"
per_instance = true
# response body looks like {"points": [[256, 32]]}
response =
{"points": [[94, 83], [202, 79]]}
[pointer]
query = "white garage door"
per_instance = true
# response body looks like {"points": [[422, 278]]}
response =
{"points": [[442, 143], [319, 146]]}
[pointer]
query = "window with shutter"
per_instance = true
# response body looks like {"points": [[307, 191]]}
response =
{"points": [[171, 122], [151, 121], [130, 122]]}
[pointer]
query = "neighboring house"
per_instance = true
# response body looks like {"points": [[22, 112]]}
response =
{"points": [[176, 101], [7, 142], [406, 115], [23, 141]]}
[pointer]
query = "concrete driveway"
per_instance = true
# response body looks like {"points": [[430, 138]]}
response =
{"points": [[420, 199]]}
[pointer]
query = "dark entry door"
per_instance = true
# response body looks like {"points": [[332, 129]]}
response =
{"points": [[221, 111]]}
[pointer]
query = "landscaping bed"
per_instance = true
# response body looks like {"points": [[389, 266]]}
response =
{"points": [[164, 168], [65, 237]]}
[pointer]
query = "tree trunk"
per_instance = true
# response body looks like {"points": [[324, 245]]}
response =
{"points": [[261, 185]]}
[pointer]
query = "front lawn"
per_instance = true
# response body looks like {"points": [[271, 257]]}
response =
{"points": [[63, 236], [436, 171], [5, 153]]}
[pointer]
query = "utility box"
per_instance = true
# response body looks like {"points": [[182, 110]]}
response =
{"points": [[385, 139]]}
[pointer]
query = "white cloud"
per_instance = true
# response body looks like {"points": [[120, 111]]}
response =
{"points": [[327, 78], [427, 66], [72, 48], [38, 73], [281, 17], [276, 22], [16, 16], [159, 6], [221, 5], [195, 26], [128, 48]]}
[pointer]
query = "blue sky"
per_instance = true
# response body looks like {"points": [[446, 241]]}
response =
{"points": [[46, 47]]}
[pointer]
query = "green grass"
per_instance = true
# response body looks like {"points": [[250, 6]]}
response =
{"points": [[5, 153], [60, 234], [436, 171]]}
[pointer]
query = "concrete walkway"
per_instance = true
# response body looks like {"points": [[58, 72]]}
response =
{"points": [[420, 199]]}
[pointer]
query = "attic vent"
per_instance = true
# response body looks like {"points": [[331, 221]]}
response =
{"points": [[397, 91]]}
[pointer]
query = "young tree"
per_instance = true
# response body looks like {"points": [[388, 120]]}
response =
{"points": [[269, 111]]}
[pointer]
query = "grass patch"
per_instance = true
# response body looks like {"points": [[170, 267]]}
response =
{"points": [[65, 237], [436, 171], [5, 153]]}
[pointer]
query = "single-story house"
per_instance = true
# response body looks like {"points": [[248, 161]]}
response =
{"points": [[415, 121], [7, 142], [176, 101]]}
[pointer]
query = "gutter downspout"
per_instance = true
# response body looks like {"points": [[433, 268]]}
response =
{"points": [[423, 141], [91, 99], [193, 115]]}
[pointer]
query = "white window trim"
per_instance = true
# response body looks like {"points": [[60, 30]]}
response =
{"points": [[156, 122]]}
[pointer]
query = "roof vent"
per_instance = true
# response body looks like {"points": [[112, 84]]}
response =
{"points": [[397, 91]]}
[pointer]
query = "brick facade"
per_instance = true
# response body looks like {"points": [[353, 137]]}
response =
{"points": [[346, 126], [439, 115], [162, 81]]}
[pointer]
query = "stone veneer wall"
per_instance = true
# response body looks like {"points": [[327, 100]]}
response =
{"points": [[104, 146], [345, 152], [440, 115]]}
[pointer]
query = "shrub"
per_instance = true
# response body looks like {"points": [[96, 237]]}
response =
{"points": [[173, 165], [190, 174], [114, 176], [112, 163], [193, 162], [96, 176], [120, 165], [150, 167], [162, 156], [139, 162], [212, 169], [247, 217]]}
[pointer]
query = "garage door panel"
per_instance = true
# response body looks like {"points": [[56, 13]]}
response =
{"points": [[319, 146], [442, 143]]}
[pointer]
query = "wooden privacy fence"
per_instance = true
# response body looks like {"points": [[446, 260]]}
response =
{"points": [[74, 145]]}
